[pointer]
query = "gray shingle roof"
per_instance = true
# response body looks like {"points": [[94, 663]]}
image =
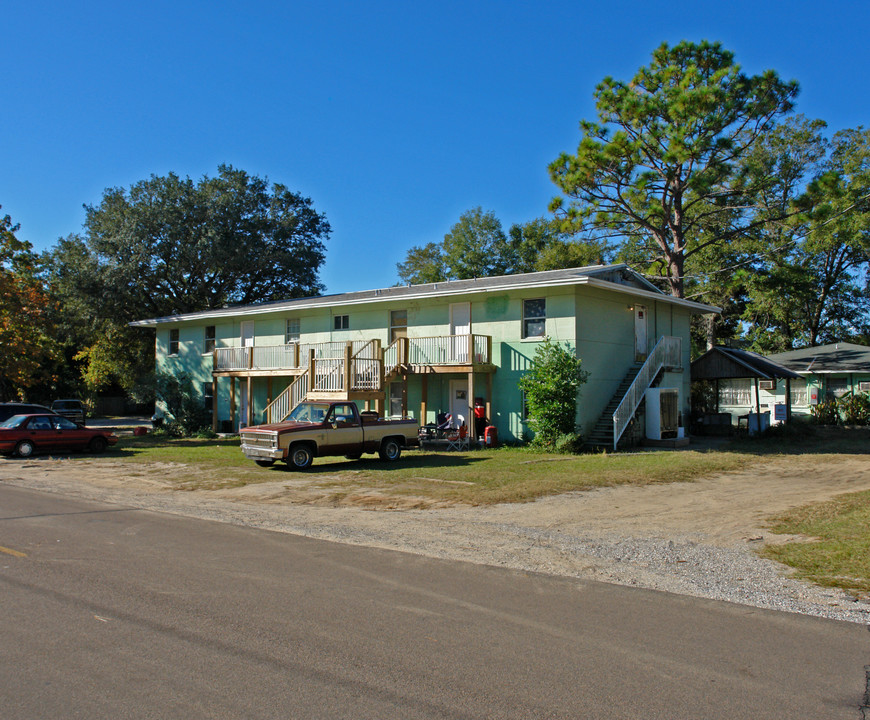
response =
{"points": [[615, 275], [836, 357]]}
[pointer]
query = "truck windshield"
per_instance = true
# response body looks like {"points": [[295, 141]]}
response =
{"points": [[309, 412]]}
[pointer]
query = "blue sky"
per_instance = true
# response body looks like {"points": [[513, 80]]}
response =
{"points": [[393, 117]]}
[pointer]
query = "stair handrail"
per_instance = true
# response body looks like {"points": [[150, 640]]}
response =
{"points": [[667, 352], [290, 397]]}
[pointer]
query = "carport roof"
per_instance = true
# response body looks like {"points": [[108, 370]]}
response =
{"points": [[721, 363]]}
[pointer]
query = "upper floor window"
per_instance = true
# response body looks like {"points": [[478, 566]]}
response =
{"points": [[292, 333], [209, 339], [173, 342], [534, 318], [341, 322], [398, 324]]}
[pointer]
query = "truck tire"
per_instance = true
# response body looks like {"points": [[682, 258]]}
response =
{"points": [[390, 450], [300, 456]]}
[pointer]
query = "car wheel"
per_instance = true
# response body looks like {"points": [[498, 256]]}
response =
{"points": [[301, 457], [97, 445], [25, 449], [390, 450], [265, 463]]}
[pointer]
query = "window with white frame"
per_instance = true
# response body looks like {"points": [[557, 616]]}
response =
{"points": [[736, 391], [398, 324], [292, 331], [341, 322], [534, 318], [208, 345], [173, 342], [799, 392]]}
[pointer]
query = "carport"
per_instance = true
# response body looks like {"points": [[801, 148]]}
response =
{"points": [[724, 363]]}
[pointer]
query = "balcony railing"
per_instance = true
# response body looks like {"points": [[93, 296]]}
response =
{"points": [[439, 350], [279, 357], [435, 350]]}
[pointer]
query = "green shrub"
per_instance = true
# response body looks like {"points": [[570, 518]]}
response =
{"points": [[826, 412], [855, 409], [569, 444], [551, 386], [187, 413]]}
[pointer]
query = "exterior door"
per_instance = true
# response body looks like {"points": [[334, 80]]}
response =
{"points": [[459, 402], [640, 333], [460, 329], [243, 404], [248, 333]]}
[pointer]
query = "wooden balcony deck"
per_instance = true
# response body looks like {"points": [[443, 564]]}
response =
{"points": [[444, 353]]}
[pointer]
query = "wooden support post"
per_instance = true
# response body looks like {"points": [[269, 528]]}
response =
{"points": [[404, 395], [788, 400], [489, 399], [424, 399], [470, 398], [470, 353], [312, 384], [269, 391], [348, 374], [489, 351], [214, 403]]}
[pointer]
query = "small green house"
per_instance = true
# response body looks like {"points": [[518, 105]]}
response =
{"points": [[421, 350]]}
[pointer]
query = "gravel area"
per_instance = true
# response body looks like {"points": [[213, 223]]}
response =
{"points": [[694, 539]]}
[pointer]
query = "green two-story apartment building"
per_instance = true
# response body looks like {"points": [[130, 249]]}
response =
{"points": [[421, 350]]}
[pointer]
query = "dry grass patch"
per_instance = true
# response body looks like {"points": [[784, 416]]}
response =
{"points": [[835, 549]]}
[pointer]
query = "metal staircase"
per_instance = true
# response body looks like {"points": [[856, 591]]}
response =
{"points": [[665, 355]]}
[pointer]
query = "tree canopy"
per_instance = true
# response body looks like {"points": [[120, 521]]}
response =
{"points": [[477, 246], [170, 245], [26, 347], [658, 165]]}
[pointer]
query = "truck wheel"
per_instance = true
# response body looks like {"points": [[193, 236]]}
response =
{"points": [[24, 449], [301, 457], [390, 449], [265, 463]]}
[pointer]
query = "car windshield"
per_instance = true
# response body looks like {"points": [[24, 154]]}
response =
{"points": [[309, 412], [13, 422]]}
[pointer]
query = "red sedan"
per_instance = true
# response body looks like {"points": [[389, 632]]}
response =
{"points": [[24, 435]]}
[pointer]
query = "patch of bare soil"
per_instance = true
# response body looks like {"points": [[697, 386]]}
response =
{"points": [[692, 538]]}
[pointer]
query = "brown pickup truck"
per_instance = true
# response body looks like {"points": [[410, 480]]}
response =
{"points": [[316, 429]]}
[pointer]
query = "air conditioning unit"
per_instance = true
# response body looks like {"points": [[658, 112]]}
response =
{"points": [[662, 413], [768, 385]]}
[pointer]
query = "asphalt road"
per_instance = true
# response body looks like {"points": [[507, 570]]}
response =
{"points": [[110, 612]]}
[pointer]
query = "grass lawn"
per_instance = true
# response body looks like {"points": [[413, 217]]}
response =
{"points": [[837, 550]]}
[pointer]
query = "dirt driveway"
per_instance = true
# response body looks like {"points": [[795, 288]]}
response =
{"points": [[691, 538]]}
